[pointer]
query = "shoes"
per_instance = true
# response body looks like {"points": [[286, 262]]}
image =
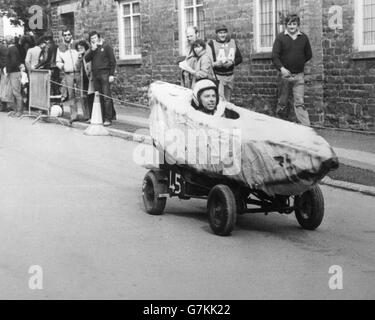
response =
{"points": [[72, 120], [107, 123], [14, 114]]}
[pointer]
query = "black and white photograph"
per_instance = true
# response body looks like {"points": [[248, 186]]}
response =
{"points": [[201, 151]]}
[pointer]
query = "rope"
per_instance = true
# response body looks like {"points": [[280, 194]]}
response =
{"points": [[86, 91]]}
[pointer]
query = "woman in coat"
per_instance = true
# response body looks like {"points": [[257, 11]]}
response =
{"points": [[203, 64], [88, 93]]}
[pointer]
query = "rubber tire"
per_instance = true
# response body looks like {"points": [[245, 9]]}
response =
{"points": [[153, 204], [316, 214], [224, 224]]}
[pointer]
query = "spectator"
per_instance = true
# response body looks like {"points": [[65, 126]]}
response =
{"points": [[51, 64], [12, 70], [25, 43], [225, 56], [191, 36], [33, 55], [3, 78], [88, 93], [43, 57], [103, 64], [67, 60], [291, 51], [24, 86], [203, 68]]}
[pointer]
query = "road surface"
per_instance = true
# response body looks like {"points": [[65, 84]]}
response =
{"points": [[72, 205]]}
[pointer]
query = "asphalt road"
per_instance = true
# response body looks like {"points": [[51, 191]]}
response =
{"points": [[72, 205]]}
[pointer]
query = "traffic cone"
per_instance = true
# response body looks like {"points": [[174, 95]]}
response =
{"points": [[96, 127]]}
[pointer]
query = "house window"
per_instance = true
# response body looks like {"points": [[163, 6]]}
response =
{"points": [[129, 30], [269, 16], [365, 25], [67, 20], [191, 15]]}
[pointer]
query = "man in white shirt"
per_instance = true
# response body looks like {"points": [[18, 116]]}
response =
{"points": [[191, 36], [67, 60]]}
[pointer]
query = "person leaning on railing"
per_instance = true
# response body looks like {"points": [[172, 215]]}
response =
{"points": [[32, 59]]}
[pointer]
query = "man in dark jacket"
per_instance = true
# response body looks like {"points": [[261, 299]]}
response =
{"points": [[12, 70], [225, 56], [103, 64], [291, 51]]}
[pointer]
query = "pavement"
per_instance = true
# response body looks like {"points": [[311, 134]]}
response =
{"points": [[356, 151], [72, 220]]}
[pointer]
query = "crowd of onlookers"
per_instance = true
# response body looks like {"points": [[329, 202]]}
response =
{"points": [[77, 70], [216, 60]]}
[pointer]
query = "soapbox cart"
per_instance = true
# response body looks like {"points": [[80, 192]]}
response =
{"points": [[226, 198]]}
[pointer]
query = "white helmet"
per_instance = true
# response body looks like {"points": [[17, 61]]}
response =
{"points": [[201, 86], [56, 111]]}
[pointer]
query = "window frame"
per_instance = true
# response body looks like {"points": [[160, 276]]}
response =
{"points": [[182, 22], [257, 20], [359, 29], [122, 54]]}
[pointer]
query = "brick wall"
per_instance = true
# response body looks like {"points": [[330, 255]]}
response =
{"points": [[338, 87], [349, 93]]}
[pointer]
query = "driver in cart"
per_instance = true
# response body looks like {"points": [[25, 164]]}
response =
{"points": [[206, 98]]}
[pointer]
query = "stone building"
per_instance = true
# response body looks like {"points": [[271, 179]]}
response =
{"points": [[149, 39]]}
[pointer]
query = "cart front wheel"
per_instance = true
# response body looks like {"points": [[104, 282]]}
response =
{"points": [[309, 208], [222, 210], [153, 204]]}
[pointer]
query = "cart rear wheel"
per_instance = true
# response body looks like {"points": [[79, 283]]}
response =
{"points": [[309, 208], [153, 204], [222, 210]]}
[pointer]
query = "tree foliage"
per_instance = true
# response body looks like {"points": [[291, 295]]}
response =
{"points": [[18, 11]]}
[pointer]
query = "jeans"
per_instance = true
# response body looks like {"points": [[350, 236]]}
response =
{"points": [[101, 84], [73, 96], [296, 83], [226, 86]]}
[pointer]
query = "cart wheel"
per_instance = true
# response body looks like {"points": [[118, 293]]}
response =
{"points": [[222, 210], [153, 204], [309, 208]]}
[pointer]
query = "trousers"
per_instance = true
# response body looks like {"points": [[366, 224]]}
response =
{"points": [[101, 84], [296, 84], [15, 82]]}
